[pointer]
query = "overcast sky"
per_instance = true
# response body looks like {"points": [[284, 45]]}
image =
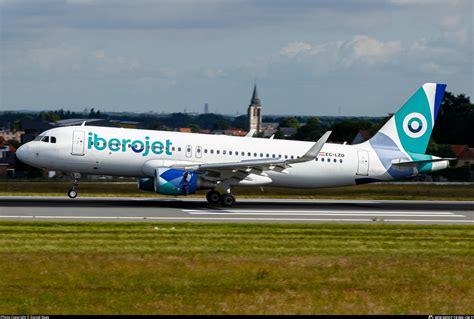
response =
{"points": [[308, 57]]}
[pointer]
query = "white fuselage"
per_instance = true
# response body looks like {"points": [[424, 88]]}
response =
{"points": [[135, 153]]}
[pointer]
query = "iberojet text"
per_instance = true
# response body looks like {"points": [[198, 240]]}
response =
{"points": [[121, 145]]}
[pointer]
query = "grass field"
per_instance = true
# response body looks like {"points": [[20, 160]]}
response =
{"points": [[373, 191], [165, 268]]}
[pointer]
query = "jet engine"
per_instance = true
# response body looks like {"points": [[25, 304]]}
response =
{"points": [[170, 181]]}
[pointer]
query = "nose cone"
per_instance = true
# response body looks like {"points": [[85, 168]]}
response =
{"points": [[23, 153]]}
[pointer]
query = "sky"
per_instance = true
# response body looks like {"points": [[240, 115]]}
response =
{"points": [[307, 57]]}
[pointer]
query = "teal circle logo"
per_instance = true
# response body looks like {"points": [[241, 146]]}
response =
{"points": [[415, 125]]}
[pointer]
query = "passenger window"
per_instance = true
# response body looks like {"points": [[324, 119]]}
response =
{"points": [[243, 154], [230, 152], [268, 155], [205, 150], [223, 152], [212, 151], [179, 149], [218, 151], [286, 156], [45, 139], [316, 159], [53, 139], [340, 161], [334, 160], [292, 157], [261, 154], [322, 159]]}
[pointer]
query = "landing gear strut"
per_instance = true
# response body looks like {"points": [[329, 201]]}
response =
{"points": [[72, 193], [226, 199]]}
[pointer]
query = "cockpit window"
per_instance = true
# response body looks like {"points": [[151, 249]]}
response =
{"points": [[53, 139], [45, 139], [39, 138]]}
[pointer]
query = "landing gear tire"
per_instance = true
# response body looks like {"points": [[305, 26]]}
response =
{"points": [[213, 197], [228, 200], [72, 193]]}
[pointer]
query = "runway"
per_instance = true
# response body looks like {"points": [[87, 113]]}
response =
{"points": [[245, 210]]}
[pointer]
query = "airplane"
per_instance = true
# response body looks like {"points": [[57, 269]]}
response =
{"points": [[175, 163]]}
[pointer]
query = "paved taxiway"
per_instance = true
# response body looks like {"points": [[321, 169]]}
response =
{"points": [[245, 210]]}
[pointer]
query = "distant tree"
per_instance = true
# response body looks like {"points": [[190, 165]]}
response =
{"points": [[194, 128], [15, 143], [311, 131], [212, 121], [441, 150], [348, 129], [240, 122], [279, 135], [455, 121], [290, 122]]}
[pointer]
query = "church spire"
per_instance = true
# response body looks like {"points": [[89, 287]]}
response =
{"points": [[255, 100], [254, 112]]}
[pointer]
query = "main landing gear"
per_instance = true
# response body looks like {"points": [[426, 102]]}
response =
{"points": [[72, 193], [226, 199]]}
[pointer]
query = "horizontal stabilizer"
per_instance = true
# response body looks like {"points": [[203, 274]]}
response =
{"points": [[404, 162]]}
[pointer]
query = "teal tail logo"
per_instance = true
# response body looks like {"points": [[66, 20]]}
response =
{"points": [[416, 118], [410, 129], [407, 134]]}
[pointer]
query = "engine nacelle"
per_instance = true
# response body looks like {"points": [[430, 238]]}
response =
{"points": [[170, 181]]}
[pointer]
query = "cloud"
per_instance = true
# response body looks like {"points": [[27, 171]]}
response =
{"points": [[214, 73], [297, 48], [361, 48], [371, 51], [52, 58]]}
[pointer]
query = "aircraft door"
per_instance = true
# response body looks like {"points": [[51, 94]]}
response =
{"points": [[198, 152], [78, 143], [189, 150], [363, 163]]}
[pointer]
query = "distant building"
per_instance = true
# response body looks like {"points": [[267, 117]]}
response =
{"points": [[7, 159], [11, 135], [128, 124], [254, 113], [268, 129], [33, 128], [206, 108], [464, 154], [288, 131], [185, 130], [89, 122], [235, 132]]}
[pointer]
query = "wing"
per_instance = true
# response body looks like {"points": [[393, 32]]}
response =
{"points": [[238, 171]]}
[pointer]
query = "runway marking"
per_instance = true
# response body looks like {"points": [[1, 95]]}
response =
{"points": [[309, 211], [321, 213], [236, 218]]}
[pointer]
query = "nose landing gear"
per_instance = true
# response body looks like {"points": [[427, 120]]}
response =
{"points": [[72, 193]]}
